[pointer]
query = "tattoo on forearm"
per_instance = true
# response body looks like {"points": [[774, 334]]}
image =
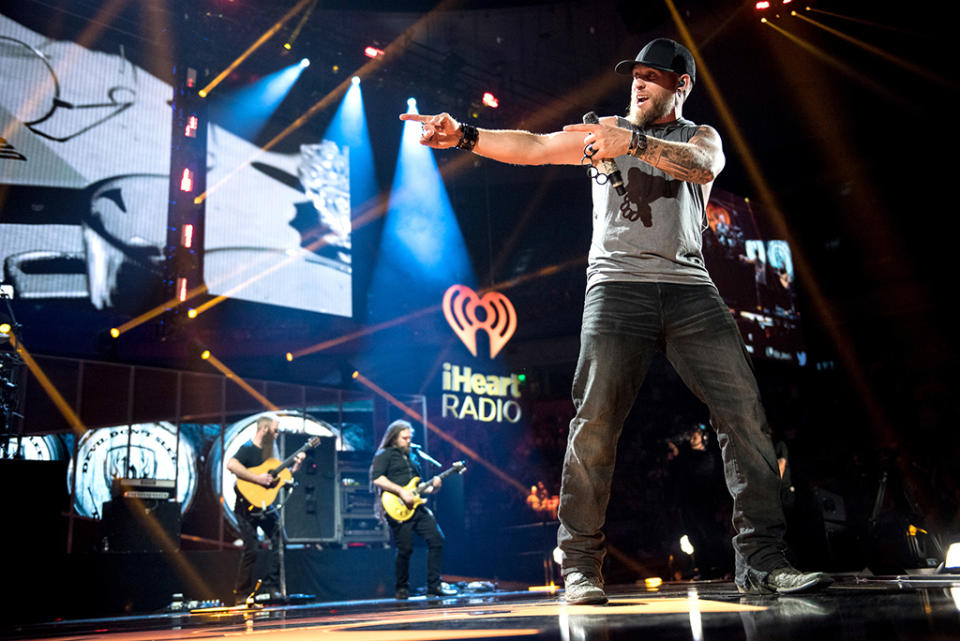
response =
{"points": [[683, 161]]}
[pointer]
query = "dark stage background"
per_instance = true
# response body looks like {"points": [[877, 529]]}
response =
{"points": [[835, 177]]}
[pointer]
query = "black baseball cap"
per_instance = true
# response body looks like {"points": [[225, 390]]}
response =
{"points": [[664, 54]]}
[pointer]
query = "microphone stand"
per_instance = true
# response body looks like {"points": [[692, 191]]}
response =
{"points": [[425, 456]]}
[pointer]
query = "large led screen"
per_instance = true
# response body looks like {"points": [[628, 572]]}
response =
{"points": [[85, 139], [278, 224], [84, 167], [755, 277]]}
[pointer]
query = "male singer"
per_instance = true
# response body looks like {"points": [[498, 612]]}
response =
{"points": [[648, 288]]}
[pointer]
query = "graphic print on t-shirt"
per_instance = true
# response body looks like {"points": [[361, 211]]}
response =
{"points": [[642, 190]]}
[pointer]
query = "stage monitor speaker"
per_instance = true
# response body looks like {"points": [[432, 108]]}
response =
{"points": [[311, 511], [141, 525]]}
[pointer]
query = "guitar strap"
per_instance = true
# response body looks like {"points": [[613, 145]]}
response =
{"points": [[414, 468]]}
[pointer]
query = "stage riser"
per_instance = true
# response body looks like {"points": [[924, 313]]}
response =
{"points": [[109, 584]]}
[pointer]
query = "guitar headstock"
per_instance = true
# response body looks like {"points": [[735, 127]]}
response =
{"points": [[460, 467], [315, 441]]}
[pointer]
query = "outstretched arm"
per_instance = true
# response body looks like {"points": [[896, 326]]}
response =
{"points": [[510, 146]]}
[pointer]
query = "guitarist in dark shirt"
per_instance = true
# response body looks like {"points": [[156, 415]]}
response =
{"points": [[393, 467], [254, 452]]}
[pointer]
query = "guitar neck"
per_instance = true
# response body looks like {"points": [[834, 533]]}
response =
{"points": [[444, 474], [287, 462]]}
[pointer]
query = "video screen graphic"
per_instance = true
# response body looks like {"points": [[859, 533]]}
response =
{"points": [[755, 278], [278, 227], [85, 166], [85, 139]]}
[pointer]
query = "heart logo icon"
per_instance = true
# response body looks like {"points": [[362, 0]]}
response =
{"points": [[460, 307]]}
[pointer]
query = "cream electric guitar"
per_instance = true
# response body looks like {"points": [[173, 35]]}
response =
{"points": [[261, 497], [394, 506]]}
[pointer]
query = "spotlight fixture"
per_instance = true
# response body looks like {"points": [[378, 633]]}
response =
{"points": [[305, 63], [490, 100], [355, 80], [412, 103], [373, 52], [762, 4]]}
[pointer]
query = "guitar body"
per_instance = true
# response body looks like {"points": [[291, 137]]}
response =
{"points": [[394, 506], [261, 497]]}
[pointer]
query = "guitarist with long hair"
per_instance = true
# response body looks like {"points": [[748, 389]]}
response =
{"points": [[393, 468], [260, 448]]}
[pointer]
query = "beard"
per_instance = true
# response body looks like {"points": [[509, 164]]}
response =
{"points": [[657, 107]]}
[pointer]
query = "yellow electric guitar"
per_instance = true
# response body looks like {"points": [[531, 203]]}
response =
{"points": [[261, 497], [394, 506]]}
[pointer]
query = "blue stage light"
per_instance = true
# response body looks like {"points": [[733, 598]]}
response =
{"points": [[349, 129], [305, 62], [355, 80], [412, 103], [422, 251], [244, 112]]}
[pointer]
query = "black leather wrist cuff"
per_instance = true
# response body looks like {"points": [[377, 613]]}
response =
{"points": [[469, 135], [638, 144]]}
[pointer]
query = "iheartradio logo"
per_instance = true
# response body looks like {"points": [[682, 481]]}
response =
{"points": [[499, 319]]}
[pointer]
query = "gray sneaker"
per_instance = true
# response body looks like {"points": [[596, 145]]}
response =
{"points": [[580, 589], [786, 580]]}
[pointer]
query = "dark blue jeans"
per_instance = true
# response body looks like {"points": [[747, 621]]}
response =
{"points": [[624, 324]]}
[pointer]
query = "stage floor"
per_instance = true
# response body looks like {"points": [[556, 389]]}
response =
{"points": [[870, 608]]}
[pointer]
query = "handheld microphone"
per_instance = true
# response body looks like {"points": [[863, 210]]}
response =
{"points": [[609, 166]]}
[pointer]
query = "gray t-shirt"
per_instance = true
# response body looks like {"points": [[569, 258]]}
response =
{"points": [[653, 232]]}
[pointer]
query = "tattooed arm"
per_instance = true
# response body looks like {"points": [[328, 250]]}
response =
{"points": [[697, 161]]}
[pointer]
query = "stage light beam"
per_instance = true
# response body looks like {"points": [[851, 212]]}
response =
{"points": [[889, 57], [822, 307], [230, 374], [203, 93], [246, 110], [53, 393], [421, 240]]}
